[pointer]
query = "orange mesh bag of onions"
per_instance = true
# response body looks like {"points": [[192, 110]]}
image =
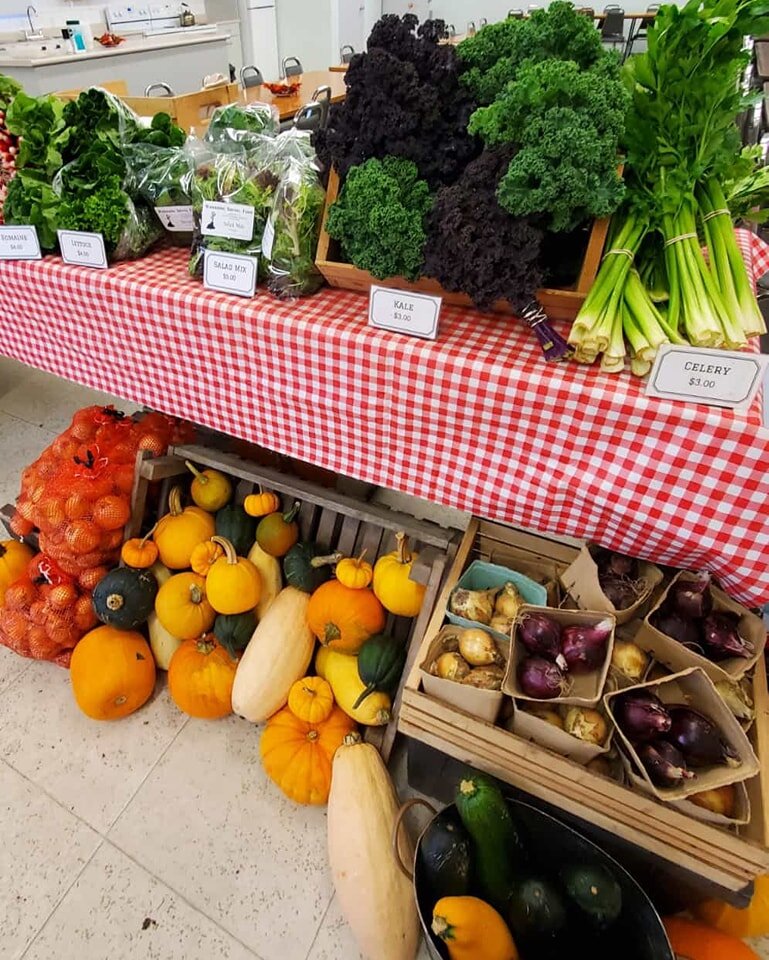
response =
{"points": [[45, 613]]}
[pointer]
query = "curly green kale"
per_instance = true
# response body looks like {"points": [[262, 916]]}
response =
{"points": [[379, 218], [567, 124], [496, 53]]}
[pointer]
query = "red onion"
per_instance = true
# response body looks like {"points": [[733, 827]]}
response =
{"points": [[541, 679], [616, 564], [673, 625], [699, 739], [619, 591], [542, 637], [691, 599], [584, 645], [722, 638], [641, 715], [664, 763]]}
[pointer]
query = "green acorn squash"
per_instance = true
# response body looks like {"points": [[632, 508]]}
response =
{"points": [[445, 857], [234, 630], [536, 912], [234, 524], [595, 891], [125, 597], [380, 664], [307, 565]]}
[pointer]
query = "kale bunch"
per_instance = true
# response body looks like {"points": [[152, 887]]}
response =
{"points": [[566, 124], [404, 99], [496, 53], [476, 247], [379, 218]]}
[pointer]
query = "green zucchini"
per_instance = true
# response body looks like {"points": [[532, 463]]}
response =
{"points": [[445, 857], [595, 891], [498, 851], [536, 911], [380, 665]]}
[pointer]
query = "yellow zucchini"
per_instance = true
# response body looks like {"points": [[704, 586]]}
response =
{"points": [[341, 671], [269, 571]]}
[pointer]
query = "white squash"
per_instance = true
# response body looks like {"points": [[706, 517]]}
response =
{"points": [[375, 897], [278, 654], [163, 644], [272, 580]]}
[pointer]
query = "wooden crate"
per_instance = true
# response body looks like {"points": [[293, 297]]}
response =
{"points": [[725, 858], [558, 304], [338, 520]]}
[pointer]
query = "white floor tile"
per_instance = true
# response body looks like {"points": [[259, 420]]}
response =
{"points": [[42, 851], [211, 825], [91, 767], [336, 942], [118, 910], [20, 444], [12, 373], [11, 667]]}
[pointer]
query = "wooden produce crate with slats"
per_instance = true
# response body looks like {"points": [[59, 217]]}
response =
{"points": [[337, 520], [729, 859]]}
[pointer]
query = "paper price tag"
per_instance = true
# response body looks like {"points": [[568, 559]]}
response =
{"points": [[268, 238], [176, 219], [230, 273], [720, 378], [234, 221], [19, 243], [83, 249], [402, 312]]}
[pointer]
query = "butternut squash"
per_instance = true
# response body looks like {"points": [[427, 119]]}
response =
{"points": [[269, 569], [341, 671], [375, 897], [472, 930], [278, 654]]}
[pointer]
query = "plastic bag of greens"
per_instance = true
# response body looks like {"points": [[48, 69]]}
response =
{"points": [[231, 201], [161, 176], [235, 126], [291, 234]]}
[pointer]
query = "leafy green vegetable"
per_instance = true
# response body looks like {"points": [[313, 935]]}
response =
{"points": [[39, 121], [237, 124], [8, 90], [747, 189], [97, 115], [104, 210], [31, 201], [379, 218]]}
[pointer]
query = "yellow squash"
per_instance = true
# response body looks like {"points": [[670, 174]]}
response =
{"points": [[14, 557], [272, 578], [210, 489], [182, 606], [472, 930], [341, 671], [233, 583], [180, 531], [393, 585]]}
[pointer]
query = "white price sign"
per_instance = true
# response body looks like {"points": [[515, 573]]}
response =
{"points": [[19, 243], [403, 312], [176, 219], [84, 249], [230, 273], [720, 378], [234, 221]]}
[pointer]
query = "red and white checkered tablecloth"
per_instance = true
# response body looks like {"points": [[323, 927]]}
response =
{"points": [[475, 420]]}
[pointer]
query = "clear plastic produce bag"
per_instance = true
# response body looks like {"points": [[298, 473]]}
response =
{"points": [[162, 176], [238, 126]]}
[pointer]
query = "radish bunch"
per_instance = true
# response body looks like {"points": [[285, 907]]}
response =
{"points": [[8, 149]]}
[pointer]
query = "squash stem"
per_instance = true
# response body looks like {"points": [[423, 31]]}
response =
{"points": [[175, 501], [365, 693], [229, 550], [326, 561], [404, 554], [291, 515], [145, 538], [198, 474]]}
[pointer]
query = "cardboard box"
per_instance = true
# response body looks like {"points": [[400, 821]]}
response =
{"points": [[694, 688], [528, 726], [678, 657], [586, 688], [581, 581]]}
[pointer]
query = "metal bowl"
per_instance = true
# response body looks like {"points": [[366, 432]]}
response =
{"points": [[638, 934]]}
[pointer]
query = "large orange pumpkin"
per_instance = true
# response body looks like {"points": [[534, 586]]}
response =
{"points": [[14, 557], [112, 673], [343, 618], [297, 755], [695, 941], [752, 921], [200, 678]]}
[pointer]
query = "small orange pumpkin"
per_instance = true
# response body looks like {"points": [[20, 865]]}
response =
{"points": [[112, 673], [278, 532], [204, 556], [183, 608], [695, 941], [751, 921], [200, 678], [262, 503], [297, 755], [343, 618], [140, 552], [311, 699], [355, 572]]}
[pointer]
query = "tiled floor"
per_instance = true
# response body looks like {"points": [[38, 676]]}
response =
{"points": [[155, 838]]}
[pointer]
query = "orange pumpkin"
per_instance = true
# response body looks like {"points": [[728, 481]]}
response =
{"points": [[311, 699], [14, 557], [180, 531], [343, 618], [297, 755], [204, 556], [140, 553], [200, 678], [112, 673], [278, 532], [695, 941], [355, 572], [262, 503], [752, 921]]}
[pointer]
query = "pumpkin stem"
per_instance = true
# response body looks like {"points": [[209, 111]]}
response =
{"points": [[291, 515], [115, 601], [146, 536], [325, 561], [331, 632], [383, 716], [200, 477], [312, 735], [359, 560], [196, 594], [229, 550], [366, 693], [404, 554], [175, 501], [205, 646], [352, 738]]}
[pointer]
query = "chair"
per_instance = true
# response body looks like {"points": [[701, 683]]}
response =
{"points": [[451, 31], [323, 96], [515, 14], [309, 117], [291, 67], [483, 22], [251, 76], [346, 53], [613, 26], [641, 31], [165, 89]]}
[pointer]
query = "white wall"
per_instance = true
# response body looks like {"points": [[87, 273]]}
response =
{"points": [[53, 14]]}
